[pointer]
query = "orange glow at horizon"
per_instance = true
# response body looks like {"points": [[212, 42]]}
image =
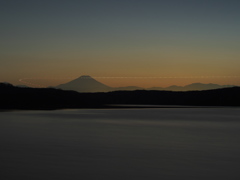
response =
{"points": [[144, 82]]}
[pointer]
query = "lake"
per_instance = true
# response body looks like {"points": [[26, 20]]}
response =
{"points": [[117, 144]]}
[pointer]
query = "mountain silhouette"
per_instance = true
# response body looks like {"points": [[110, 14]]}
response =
{"points": [[192, 87], [88, 84], [128, 88], [85, 84], [200, 86]]}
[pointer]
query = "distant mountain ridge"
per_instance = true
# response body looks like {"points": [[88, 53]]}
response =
{"points": [[191, 87], [88, 84]]}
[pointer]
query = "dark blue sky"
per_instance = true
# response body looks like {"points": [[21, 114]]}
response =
{"points": [[101, 38]]}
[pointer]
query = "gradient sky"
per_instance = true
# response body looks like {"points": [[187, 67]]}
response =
{"points": [[65, 39]]}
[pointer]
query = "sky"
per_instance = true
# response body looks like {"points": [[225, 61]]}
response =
{"points": [[128, 41]]}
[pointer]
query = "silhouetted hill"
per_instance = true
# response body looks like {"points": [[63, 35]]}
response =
{"points": [[5, 85], [48, 98], [42, 98], [217, 97], [23, 86], [85, 84]]}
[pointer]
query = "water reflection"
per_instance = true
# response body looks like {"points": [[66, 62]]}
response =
{"points": [[121, 144]]}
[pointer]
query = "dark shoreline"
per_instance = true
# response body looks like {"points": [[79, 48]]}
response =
{"points": [[16, 98], [126, 107]]}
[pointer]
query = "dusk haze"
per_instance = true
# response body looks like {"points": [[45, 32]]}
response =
{"points": [[54, 41]]}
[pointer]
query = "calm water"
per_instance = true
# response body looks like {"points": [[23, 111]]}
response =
{"points": [[117, 144]]}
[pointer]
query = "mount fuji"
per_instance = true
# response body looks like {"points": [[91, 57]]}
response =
{"points": [[88, 84], [85, 84]]}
